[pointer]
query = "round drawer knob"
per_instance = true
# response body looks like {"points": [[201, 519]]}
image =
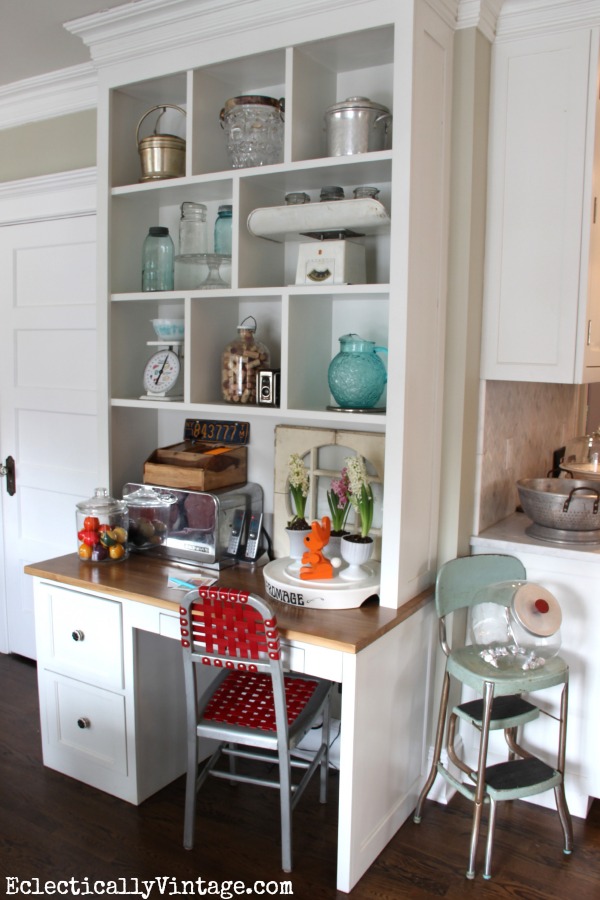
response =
{"points": [[77, 635], [83, 722]]}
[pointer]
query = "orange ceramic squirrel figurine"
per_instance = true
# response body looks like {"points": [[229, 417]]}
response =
{"points": [[315, 564]]}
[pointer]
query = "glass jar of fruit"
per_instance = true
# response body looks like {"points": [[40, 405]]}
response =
{"points": [[102, 528], [149, 515]]}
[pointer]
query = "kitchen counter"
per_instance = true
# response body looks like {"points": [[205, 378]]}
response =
{"points": [[145, 580], [508, 536]]}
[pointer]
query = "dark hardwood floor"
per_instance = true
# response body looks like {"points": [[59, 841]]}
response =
{"points": [[54, 828]]}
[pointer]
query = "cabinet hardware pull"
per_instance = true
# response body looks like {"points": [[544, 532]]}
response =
{"points": [[78, 635], [83, 722], [589, 332]]}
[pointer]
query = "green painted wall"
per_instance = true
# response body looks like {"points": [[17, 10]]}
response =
{"points": [[47, 147]]}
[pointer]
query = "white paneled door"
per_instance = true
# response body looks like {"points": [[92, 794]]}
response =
{"points": [[48, 391]]}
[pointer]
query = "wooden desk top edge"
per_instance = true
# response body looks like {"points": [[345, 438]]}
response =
{"points": [[144, 580]]}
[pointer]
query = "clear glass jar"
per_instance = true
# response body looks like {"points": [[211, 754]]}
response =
{"points": [[254, 129], [149, 515], [193, 230], [242, 360], [365, 191], [158, 260], [223, 231], [296, 198], [332, 192], [516, 623], [102, 528]]}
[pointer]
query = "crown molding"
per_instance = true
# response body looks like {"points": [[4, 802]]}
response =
{"points": [[47, 96], [521, 18], [48, 197], [143, 27], [480, 14]]}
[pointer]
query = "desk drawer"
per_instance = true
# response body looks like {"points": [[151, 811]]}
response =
{"points": [[81, 636], [84, 729]]}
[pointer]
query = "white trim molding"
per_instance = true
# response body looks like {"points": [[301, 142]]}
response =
{"points": [[522, 18], [48, 197], [146, 27], [46, 96], [481, 14]]}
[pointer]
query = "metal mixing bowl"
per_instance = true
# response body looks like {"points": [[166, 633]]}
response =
{"points": [[562, 503]]}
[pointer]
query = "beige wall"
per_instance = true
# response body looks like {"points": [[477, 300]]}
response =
{"points": [[472, 54], [47, 147], [523, 423]]}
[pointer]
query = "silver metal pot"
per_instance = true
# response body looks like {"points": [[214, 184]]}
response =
{"points": [[564, 505], [357, 125]]}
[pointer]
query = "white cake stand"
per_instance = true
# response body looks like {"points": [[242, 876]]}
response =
{"points": [[332, 593]]}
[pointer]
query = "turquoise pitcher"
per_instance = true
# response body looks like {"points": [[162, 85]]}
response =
{"points": [[356, 374]]}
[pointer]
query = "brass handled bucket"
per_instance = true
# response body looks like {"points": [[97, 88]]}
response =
{"points": [[161, 155]]}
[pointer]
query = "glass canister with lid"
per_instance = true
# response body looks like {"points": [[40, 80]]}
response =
{"points": [[149, 515], [253, 126], [242, 360], [193, 230], [102, 528]]}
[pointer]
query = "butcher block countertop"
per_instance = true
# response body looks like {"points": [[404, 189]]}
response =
{"points": [[145, 580]]}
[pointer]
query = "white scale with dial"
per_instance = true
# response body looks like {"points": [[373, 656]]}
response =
{"points": [[162, 373]]}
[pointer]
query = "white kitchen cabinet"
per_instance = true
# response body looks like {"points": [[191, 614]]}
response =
{"points": [[106, 695], [198, 55], [541, 297], [571, 573]]}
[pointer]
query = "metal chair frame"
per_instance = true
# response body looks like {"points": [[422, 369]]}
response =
{"points": [[253, 709], [501, 707]]}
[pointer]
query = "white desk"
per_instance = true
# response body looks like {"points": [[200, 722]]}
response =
{"points": [[112, 703]]}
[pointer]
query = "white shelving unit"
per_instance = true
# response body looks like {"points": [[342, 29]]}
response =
{"points": [[197, 57]]}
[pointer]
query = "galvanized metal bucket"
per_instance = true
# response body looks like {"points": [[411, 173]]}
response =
{"points": [[161, 155]]}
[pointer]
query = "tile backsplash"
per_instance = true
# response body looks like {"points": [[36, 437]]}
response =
{"points": [[523, 423]]}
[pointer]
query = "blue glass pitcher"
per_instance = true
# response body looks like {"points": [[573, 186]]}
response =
{"points": [[356, 374]]}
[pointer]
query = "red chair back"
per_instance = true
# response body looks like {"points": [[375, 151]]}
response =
{"points": [[230, 628]]}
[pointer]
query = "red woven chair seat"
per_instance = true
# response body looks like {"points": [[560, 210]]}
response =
{"points": [[247, 700]]}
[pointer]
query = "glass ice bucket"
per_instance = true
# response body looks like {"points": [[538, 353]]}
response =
{"points": [[253, 127]]}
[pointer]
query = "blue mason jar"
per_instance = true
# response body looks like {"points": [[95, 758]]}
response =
{"points": [[223, 231], [158, 260]]}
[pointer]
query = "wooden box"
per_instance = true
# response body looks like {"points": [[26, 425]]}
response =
{"points": [[196, 466]]}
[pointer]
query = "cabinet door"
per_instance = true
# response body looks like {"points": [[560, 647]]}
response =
{"points": [[539, 185], [592, 336]]}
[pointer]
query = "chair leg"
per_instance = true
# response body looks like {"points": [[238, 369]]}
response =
{"points": [[285, 804], [452, 755], [489, 846], [515, 750], [324, 774], [437, 750], [559, 791], [488, 699], [190, 792]]}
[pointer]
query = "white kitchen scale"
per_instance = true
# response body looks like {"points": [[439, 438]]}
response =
{"points": [[332, 259], [162, 372]]}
